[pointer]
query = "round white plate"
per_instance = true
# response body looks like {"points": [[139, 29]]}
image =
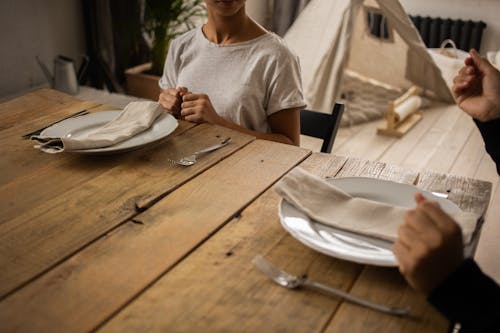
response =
{"points": [[347, 245], [163, 126]]}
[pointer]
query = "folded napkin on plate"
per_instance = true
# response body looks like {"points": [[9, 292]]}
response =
{"points": [[135, 118], [329, 205]]}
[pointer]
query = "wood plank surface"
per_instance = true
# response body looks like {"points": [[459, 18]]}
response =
{"points": [[72, 219], [39, 107], [31, 186], [403, 147], [131, 243], [469, 158], [89, 287], [469, 194], [217, 289], [356, 147], [181, 301], [427, 146], [451, 145]]}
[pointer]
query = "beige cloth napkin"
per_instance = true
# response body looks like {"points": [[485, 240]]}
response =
{"points": [[135, 118], [329, 205]]}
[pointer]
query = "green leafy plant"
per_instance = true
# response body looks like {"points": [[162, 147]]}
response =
{"points": [[164, 20]]}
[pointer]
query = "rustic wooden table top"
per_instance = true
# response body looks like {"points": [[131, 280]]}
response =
{"points": [[131, 243]]}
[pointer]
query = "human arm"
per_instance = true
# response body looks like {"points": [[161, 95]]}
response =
{"points": [[477, 91], [469, 297], [284, 124], [429, 251], [477, 88]]}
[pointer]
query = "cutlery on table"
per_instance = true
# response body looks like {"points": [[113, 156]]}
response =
{"points": [[290, 281], [191, 159], [40, 130]]}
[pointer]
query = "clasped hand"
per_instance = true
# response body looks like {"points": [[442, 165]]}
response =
{"points": [[192, 107]]}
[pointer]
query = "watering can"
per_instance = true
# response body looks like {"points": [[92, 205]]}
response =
{"points": [[65, 77]]}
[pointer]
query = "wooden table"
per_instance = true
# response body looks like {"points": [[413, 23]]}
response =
{"points": [[131, 243]]}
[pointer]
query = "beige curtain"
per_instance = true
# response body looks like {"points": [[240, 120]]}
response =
{"points": [[284, 13]]}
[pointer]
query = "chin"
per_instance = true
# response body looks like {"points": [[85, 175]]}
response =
{"points": [[226, 6]]}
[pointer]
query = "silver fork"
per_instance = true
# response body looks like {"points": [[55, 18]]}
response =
{"points": [[290, 281], [191, 159]]}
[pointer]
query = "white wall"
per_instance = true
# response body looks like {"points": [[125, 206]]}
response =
{"points": [[33, 27], [487, 11]]}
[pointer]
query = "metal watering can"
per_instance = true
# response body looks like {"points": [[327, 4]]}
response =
{"points": [[65, 77]]}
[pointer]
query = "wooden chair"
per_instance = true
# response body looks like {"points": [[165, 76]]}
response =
{"points": [[322, 125]]}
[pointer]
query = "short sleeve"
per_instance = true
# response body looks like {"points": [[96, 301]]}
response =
{"points": [[169, 77], [285, 89]]}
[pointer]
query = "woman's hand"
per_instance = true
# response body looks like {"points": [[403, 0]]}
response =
{"points": [[170, 99], [198, 108], [429, 245]]}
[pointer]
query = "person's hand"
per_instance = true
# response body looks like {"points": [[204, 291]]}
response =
{"points": [[198, 108], [170, 99], [477, 88], [429, 245]]}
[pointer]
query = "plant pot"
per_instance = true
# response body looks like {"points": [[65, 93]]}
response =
{"points": [[140, 84]]}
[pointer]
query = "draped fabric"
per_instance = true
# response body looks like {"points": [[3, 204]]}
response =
{"points": [[114, 41], [284, 14]]}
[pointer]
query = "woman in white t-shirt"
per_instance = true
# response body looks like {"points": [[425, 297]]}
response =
{"points": [[234, 73]]}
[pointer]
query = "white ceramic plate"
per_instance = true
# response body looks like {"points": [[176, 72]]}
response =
{"points": [[163, 126], [347, 245]]}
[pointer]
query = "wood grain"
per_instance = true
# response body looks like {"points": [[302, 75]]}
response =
{"points": [[403, 147], [38, 108], [217, 289], [30, 186], [65, 222], [181, 301], [131, 243], [452, 144], [89, 287]]}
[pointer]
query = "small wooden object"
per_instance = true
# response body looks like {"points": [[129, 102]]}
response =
{"points": [[396, 125]]}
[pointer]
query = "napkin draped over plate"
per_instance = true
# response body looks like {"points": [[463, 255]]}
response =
{"points": [[327, 204], [135, 118]]}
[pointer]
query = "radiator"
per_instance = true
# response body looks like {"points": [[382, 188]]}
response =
{"points": [[465, 34]]}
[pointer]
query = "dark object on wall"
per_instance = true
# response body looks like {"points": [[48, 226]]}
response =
{"points": [[434, 30]]}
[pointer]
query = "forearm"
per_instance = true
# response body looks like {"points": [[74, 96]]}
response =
{"points": [[469, 297], [490, 132], [260, 135]]}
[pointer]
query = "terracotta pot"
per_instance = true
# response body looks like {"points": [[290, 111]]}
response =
{"points": [[140, 84]]}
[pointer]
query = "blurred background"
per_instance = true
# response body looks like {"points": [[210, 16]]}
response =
{"points": [[47, 28]]}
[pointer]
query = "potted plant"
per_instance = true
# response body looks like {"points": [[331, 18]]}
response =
{"points": [[162, 21]]}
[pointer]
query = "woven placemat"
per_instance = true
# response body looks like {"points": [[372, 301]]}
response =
{"points": [[364, 99]]}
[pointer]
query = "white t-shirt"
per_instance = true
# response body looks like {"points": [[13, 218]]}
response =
{"points": [[246, 82]]}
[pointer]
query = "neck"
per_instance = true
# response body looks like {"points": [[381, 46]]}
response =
{"points": [[229, 29]]}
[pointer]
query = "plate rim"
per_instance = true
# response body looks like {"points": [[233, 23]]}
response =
{"points": [[353, 258], [118, 147]]}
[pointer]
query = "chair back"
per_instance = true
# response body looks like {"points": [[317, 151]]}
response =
{"points": [[322, 125]]}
